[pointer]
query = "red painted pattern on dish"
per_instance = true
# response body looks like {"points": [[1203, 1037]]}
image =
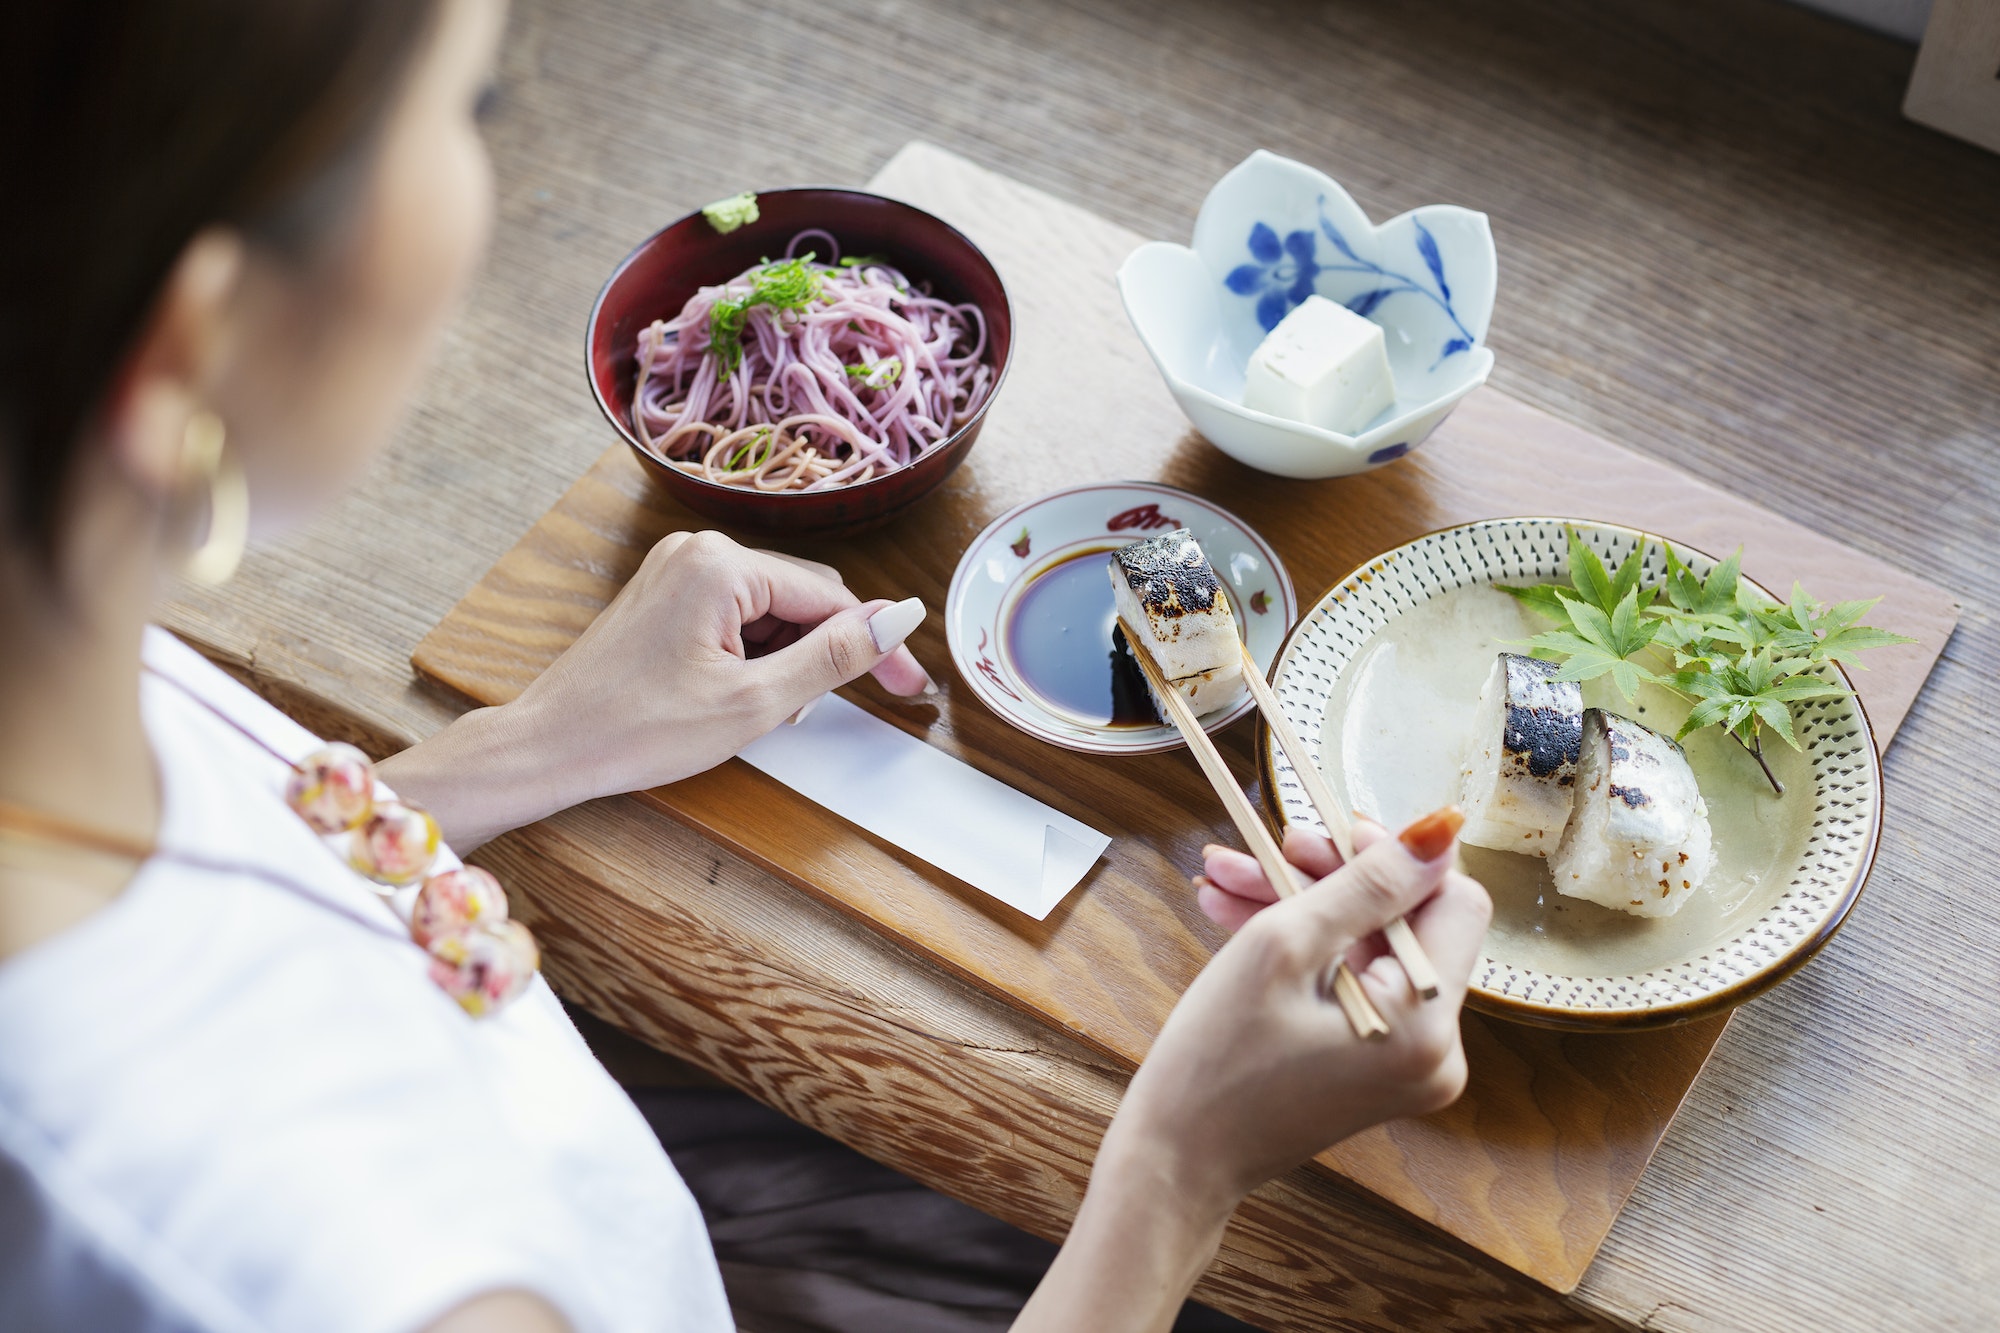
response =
{"points": [[989, 669], [1146, 518]]}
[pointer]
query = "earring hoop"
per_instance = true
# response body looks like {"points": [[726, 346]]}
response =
{"points": [[214, 561]]}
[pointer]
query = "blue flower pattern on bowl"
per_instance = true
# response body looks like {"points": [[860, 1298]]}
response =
{"points": [[1281, 278], [1427, 277]]}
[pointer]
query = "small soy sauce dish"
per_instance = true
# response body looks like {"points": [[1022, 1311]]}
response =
{"points": [[1031, 621]]}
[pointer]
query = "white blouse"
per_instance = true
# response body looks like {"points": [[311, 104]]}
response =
{"points": [[223, 1106]]}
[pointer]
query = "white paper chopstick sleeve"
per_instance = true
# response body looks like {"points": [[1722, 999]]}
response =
{"points": [[1000, 841]]}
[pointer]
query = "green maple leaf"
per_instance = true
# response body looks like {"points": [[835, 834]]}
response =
{"points": [[1778, 718], [1842, 645], [1680, 587], [1547, 598], [1719, 590], [1741, 657], [1754, 674], [1587, 573], [1804, 629], [1589, 582], [1597, 644], [1792, 689], [1598, 586], [1694, 635], [1747, 695], [1842, 614], [1721, 700], [1715, 595]]}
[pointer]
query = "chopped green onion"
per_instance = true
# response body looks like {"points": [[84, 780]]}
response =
{"points": [[880, 375], [792, 284], [745, 458]]}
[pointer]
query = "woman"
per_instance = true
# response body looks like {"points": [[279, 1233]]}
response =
{"points": [[230, 1095]]}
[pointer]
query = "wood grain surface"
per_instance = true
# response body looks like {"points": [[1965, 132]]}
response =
{"points": [[1534, 1162], [1010, 1103], [1719, 244]]}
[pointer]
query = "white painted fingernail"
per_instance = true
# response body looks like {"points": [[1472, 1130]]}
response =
{"points": [[930, 686], [805, 710], [893, 624]]}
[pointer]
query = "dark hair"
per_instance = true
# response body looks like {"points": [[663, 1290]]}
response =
{"points": [[131, 125]]}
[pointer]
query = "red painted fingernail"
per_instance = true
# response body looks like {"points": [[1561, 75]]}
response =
{"points": [[1431, 837]]}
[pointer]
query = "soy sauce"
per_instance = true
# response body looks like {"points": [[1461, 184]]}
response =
{"points": [[1065, 642]]}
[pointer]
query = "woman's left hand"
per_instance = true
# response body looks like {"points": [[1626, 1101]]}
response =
{"points": [[708, 647]]}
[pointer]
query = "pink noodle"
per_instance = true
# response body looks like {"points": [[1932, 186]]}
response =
{"points": [[789, 416]]}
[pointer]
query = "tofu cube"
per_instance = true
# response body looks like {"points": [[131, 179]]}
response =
{"points": [[1323, 365]]}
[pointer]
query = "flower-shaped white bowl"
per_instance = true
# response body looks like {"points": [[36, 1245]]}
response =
{"points": [[1273, 232]]}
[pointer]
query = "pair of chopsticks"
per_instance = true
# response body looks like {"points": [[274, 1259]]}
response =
{"points": [[1285, 877], [1403, 941]]}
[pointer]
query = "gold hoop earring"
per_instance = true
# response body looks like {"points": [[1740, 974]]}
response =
{"points": [[221, 550]]}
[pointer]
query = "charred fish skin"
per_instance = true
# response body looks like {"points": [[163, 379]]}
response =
{"points": [[1170, 593], [1170, 575], [1519, 781], [1544, 736], [1651, 787], [1639, 840], [1167, 591]]}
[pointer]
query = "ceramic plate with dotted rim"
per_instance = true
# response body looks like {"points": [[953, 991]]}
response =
{"points": [[1028, 539], [1799, 915]]}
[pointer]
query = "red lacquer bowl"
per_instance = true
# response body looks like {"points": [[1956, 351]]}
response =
{"points": [[657, 279]]}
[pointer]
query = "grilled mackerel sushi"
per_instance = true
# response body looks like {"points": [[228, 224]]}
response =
{"points": [[1638, 839], [1520, 779], [1168, 593]]}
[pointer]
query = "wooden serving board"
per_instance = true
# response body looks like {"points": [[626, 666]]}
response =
{"points": [[1534, 1162]]}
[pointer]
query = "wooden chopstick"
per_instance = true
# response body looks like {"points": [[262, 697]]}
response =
{"points": [[1285, 877], [1402, 940]]}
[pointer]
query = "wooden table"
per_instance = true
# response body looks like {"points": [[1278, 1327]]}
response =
{"points": [[1718, 244]]}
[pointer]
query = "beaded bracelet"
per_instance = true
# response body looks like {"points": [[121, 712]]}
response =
{"points": [[479, 955]]}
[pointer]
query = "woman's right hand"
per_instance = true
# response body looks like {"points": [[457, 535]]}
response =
{"points": [[707, 647], [1258, 1069]]}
